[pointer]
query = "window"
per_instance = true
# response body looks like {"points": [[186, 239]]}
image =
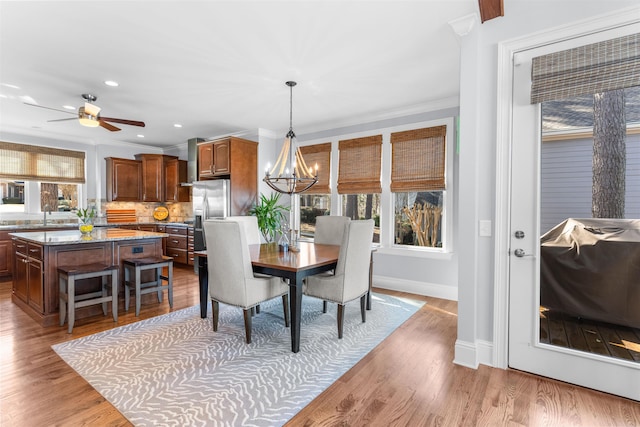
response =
{"points": [[317, 200], [359, 179], [418, 184], [34, 179]]}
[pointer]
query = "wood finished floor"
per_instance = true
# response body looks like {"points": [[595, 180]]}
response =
{"points": [[408, 380]]}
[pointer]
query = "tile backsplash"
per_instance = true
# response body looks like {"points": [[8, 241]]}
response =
{"points": [[178, 212]]}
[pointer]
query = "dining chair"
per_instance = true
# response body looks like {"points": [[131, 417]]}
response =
{"points": [[330, 229], [231, 279], [251, 228], [350, 280]]}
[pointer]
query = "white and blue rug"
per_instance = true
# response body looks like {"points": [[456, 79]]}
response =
{"points": [[173, 370]]}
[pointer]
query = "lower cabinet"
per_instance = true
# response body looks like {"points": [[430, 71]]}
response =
{"points": [[27, 280], [6, 254], [176, 245]]}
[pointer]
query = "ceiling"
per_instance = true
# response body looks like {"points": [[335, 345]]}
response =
{"points": [[220, 67]]}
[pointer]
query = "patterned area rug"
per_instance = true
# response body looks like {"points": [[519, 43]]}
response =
{"points": [[173, 370]]}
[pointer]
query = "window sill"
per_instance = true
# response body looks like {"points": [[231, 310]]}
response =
{"points": [[415, 253]]}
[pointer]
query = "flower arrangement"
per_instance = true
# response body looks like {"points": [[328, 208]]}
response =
{"points": [[86, 219]]}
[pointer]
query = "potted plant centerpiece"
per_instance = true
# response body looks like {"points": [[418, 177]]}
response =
{"points": [[270, 215], [86, 219]]}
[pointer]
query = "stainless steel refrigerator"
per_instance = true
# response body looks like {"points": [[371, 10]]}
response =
{"points": [[211, 199]]}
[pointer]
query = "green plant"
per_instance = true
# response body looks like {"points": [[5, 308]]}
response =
{"points": [[86, 215], [270, 215]]}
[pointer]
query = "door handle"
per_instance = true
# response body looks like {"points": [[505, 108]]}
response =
{"points": [[520, 253]]}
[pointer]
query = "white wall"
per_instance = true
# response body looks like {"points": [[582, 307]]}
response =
{"points": [[478, 129]]}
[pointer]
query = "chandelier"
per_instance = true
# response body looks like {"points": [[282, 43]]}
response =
{"points": [[290, 174]]}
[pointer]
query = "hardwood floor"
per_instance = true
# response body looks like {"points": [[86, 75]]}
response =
{"points": [[408, 380]]}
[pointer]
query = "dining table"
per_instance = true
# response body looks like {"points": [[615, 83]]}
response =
{"points": [[267, 258]]}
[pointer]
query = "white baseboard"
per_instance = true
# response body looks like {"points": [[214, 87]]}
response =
{"points": [[419, 288], [471, 355]]}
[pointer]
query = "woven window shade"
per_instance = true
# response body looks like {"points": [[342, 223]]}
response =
{"points": [[418, 159], [594, 68], [359, 165], [33, 163], [319, 154]]}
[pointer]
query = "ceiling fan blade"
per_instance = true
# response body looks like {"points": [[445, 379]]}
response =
{"points": [[122, 121], [54, 109], [108, 126], [62, 120]]}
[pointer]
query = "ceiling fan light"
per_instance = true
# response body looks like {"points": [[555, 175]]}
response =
{"points": [[86, 121]]}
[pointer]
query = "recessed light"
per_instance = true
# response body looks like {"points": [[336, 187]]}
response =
{"points": [[111, 83], [177, 125], [69, 107], [140, 135]]}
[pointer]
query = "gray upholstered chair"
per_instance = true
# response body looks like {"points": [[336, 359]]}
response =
{"points": [[231, 279], [351, 277], [330, 229], [251, 229]]}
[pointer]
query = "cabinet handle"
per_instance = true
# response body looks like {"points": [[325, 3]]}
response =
{"points": [[21, 246], [175, 255], [174, 241], [33, 250]]}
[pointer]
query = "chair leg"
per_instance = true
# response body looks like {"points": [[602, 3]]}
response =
{"points": [[127, 287], [215, 308], [63, 299], [170, 285], [138, 295], [247, 324], [363, 307], [114, 295], [71, 302], [159, 283], [285, 307], [104, 283], [258, 309], [324, 306], [340, 319]]}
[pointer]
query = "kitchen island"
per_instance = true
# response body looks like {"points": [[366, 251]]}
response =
{"points": [[38, 255]]}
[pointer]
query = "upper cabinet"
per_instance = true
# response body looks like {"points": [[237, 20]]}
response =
{"points": [[149, 178], [213, 158], [235, 159], [153, 176], [124, 180], [175, 174]]}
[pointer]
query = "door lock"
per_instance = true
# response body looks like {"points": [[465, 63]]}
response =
{"points": [[519, 234]]}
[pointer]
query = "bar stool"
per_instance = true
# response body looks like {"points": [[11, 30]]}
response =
{"points": [[133, 269], [69, 301]]}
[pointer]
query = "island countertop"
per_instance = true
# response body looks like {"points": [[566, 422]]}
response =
{"points": [[99, 234]]}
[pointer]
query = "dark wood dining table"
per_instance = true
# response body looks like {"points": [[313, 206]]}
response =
{"points": [[266, 258]]}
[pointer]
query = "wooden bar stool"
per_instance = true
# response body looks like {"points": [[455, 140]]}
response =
{"points": [[69, 301], [133, 269]]}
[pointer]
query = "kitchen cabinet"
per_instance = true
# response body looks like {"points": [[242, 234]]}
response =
{"points": [[190, 242], [235, 159], [153, 176], [214, 158], [177, 243], [28, 280], [124, 180], [6, 254], [175, 174]]}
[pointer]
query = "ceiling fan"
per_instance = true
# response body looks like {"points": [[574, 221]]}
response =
{"points": [[89, 115]]}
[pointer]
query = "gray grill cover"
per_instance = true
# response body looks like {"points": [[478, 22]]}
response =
{"points": [[591, 268]]}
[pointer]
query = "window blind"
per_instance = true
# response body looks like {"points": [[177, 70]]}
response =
{"points": [[418, 159], [359, 165], [594, 68], [319, 154], [34, 163]]}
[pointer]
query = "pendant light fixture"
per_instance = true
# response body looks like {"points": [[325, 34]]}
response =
{"points": [[290, 174]]}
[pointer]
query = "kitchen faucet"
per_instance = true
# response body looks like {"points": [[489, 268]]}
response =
{"points": [[45, 209]]}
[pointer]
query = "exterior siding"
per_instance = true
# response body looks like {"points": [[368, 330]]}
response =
{"points": [[565, 180]]}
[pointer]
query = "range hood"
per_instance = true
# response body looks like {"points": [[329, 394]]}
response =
{"points": [[192, 161]]}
